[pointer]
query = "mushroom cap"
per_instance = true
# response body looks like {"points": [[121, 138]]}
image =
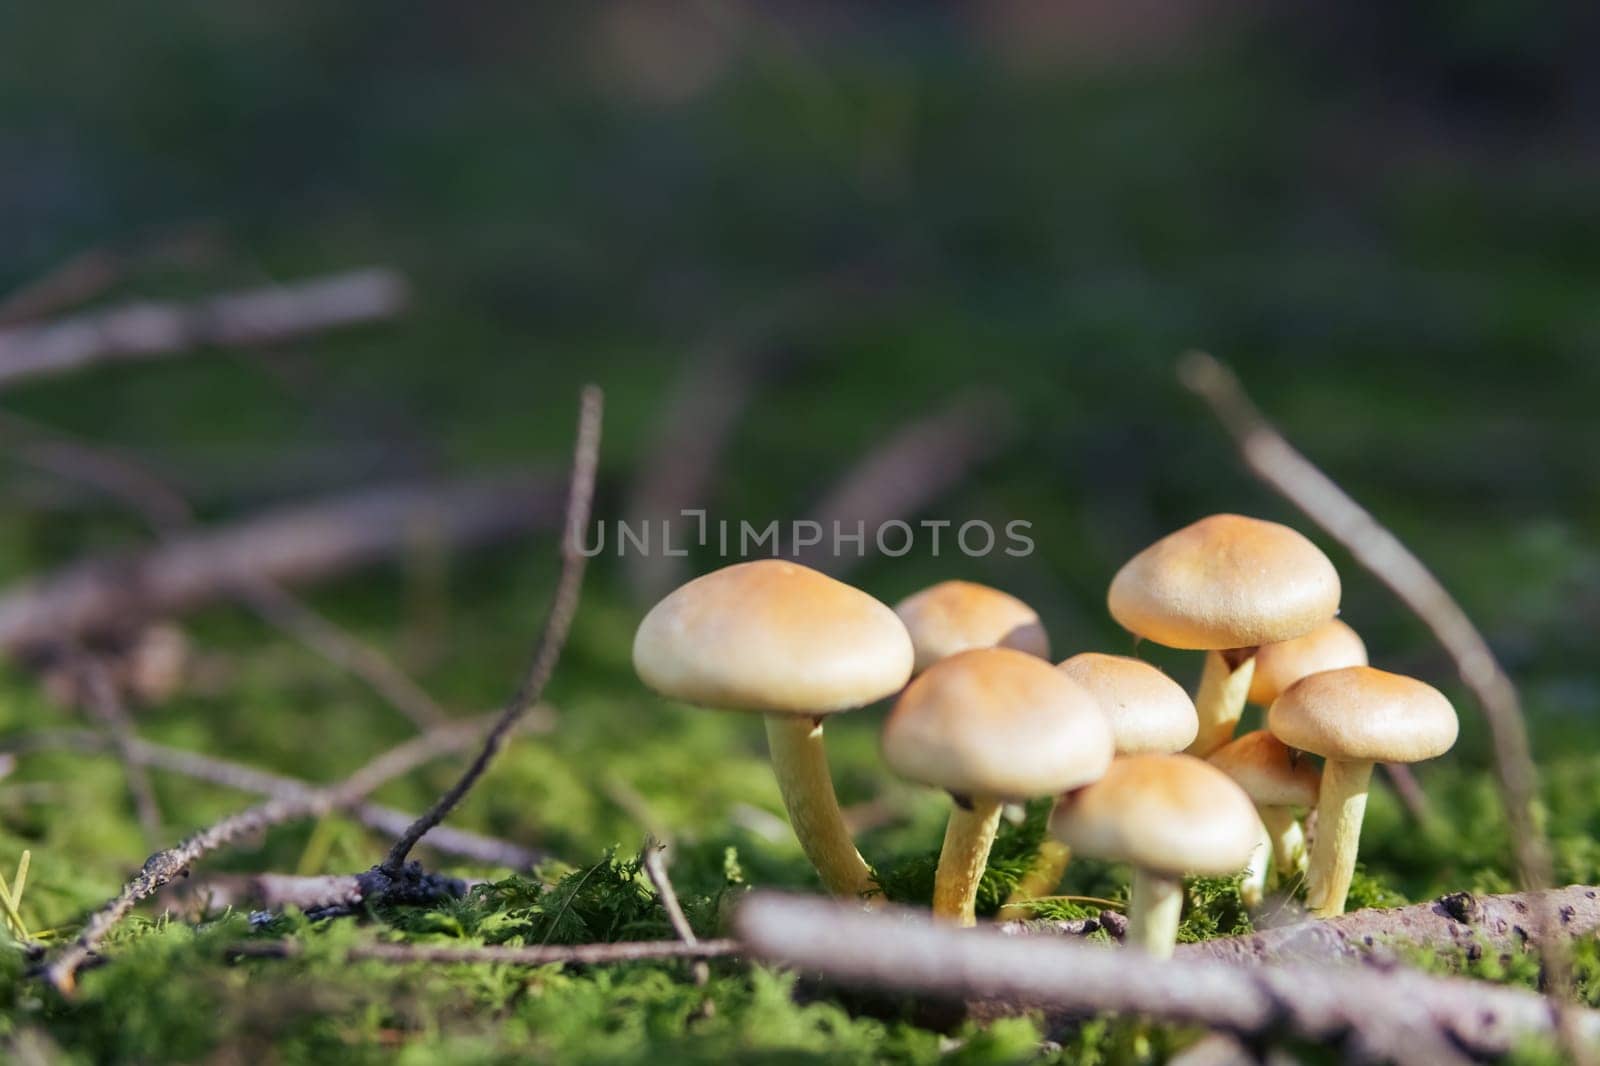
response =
{"points": [[1360, 713], [1169, 814], [1225, 582], [1270, 772], [1331, 646], [1148, 711], [772, 636], [997, 722], [955, 616]]}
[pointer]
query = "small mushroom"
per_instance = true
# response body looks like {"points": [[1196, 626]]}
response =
{"points": [[991, 726], [1277, 779], [1148, 713], [1353, 718], [1331, 646], [1167, 816], [1225, 585], [956, 616], [782, 639]]}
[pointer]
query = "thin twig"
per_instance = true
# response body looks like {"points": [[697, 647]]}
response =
{"points": [[1412, 796], [577, 954], [164, 866], [1276, 462], [105, 703], [1390, 1015], [563, 607], [253, 317], [655, 868], [290, 544]]}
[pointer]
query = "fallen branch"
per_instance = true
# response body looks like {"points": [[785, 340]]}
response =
{"points": [[903, 474], [143, 331], [1276, 462], [287, 545], [577, 954], [461, 843], [1394, 1015], [563, 607]]}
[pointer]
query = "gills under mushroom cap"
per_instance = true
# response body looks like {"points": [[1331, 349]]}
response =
{"points": [[1148, 711], [957, 616], [1269, 771], [1168, 814], [772, 636], [1331, 646], [1363, 714], [1226, 581], [997, 723]]}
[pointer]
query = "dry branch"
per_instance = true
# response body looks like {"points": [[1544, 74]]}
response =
{"points": [[903, 474], [1276, 462], [288, 545], [577, 954], [143, 331], [563, 607], [655, 868], [1393, 1015]]}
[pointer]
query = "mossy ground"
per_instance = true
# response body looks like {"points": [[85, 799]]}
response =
{"points": [[1410, 292]]}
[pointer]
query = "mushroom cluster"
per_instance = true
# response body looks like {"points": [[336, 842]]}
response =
{"points": [[1138, 773]]}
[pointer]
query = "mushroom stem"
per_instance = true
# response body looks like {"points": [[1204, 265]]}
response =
{"points": [[1288, 841], [1049, 865], [1341, 805], [1154, 907], [967, 839], [1253, 889], [1224, 684], [801, 764]]}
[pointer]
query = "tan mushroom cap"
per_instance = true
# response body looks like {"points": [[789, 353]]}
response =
{"points": [[956, 616], [772, 636], [1148, 711], [1331, 646], [1270, 772], [1225, 582], [1169, 814], [1360, 713], [998, 723]]}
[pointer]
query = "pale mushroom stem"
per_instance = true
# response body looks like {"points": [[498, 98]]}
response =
{"points": [[1253, 889], [1224, 684], [1154, 907], [967, 840], [1049, 866], [801, 765], [1341, 805], [1288, 841]]}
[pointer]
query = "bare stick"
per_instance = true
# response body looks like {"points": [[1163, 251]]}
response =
{"points": [[163, 866], [1409, 790], [656, 869], [105, 703], [254, 317], [288, 545], [917, 464], [1396, 1015], [76, 281], [563, 606], [579, 954], [1275, 461]]}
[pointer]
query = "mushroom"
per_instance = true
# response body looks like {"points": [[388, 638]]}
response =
{"points": [[782, 639], [1148, 713], [991, 726], [1225, 585], [956, 616], [1331, 646], [1167, 816], [1353, 718], [1277, 779]]}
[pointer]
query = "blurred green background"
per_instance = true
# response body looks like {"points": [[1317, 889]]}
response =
{"points": [[1385, 220]]}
